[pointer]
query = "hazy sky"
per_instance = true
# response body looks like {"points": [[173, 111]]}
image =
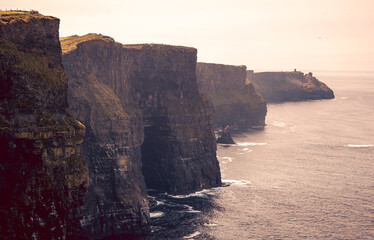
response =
{"points": [[261, 34]]}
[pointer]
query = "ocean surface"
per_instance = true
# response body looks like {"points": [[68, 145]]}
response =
{"points": [[308, 175]]}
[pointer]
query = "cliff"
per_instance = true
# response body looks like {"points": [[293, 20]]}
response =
{"points": [[116, 201], [233, 100], [127, 93], [179, 150], [289, 86], [42, 174]]}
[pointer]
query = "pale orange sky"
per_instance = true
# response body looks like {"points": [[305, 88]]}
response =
{"points": [[261, 34]]}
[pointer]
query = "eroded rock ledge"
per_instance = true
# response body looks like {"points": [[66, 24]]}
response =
{"points": [[42, 174], [289, 86], [232, 98]]}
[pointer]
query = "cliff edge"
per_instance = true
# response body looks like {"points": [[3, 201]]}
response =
{"points": [[42, 173], [114, 134], [289, 86], [233, 100]]}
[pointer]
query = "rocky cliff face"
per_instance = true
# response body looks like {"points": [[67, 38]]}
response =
{"points": [[179, 150], [116, 201], [289, 86], [127, 93], [233, 100], [42, 174]]}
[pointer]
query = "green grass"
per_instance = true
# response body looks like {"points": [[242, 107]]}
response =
{"points": [[70, 43], [34, 64], [8, 16]]}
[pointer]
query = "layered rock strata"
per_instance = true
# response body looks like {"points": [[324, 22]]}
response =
{"points": [[119, 91], [42, 174], [116, 201], [289, 86], [179, 150], [233, 100]]}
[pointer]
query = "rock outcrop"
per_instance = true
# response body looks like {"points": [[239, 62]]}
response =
{"points": [[42, 174], [116, 201], [225, 137], [289, 86], [233, 100]]}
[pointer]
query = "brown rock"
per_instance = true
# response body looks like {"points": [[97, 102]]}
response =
{"points": [[42, 174], [233, 100]]}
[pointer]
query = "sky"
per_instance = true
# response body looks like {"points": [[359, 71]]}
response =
{"points": [[262, 34]]}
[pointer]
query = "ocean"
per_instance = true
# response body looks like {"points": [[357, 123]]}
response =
{"points": [[309, 174]]}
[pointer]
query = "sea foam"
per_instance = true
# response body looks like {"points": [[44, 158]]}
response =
{"points": [[243, 144], [228, 158], [203, 193], [359, 146], [197, 233], [236, 182], [156, 214], [278, 124]]}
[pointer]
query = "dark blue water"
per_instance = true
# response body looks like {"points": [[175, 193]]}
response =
{"points": [[308, 175]]}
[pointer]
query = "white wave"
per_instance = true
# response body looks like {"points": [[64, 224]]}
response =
{"points": [[359, 146], [278, 124], [236, 182], [243, 144], [343, 98], [190, 209], [197, 233], [156, 214], [203, 193], [210, 225], [160, 203], [228, 158]]}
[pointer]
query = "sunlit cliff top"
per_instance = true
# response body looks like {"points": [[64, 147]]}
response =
{"points": [[12, 16], [221, 65], [70, 43]]}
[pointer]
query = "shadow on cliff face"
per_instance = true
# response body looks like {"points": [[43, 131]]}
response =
{"points": [[181, 216]]}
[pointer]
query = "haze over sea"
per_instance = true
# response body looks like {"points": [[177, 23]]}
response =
{"points": [[308, 175]]}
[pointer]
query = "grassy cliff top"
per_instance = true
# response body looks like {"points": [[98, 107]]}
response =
{"points": [[12, 16], [70, 43], [221, 65], [153, 46]]}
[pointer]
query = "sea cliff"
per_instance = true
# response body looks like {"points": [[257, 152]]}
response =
{"points": [[116, 201], [179, 150], [145, 125], [140, 103], [233, 100], [42, 173], [289, 86]]}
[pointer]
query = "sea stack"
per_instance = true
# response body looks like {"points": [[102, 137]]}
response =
{"points": [[225, 137], [289, 86], [233, 100], [42, 173]]}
